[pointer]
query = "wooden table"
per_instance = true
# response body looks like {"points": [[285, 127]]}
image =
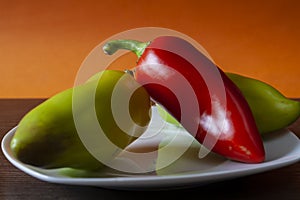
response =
{"points": [[283, 183]]}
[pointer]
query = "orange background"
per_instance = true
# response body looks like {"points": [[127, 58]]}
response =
{"points": [[43, 43]]}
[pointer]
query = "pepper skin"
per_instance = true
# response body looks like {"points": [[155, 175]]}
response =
{"points": [[47, 136], [271, 109], [198, 94]]}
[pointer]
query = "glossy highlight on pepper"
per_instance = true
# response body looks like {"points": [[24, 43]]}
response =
{"points": [[272, 110]]}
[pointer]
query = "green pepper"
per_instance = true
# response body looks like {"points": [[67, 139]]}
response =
{"points": [[47, 136], [271, 109]]}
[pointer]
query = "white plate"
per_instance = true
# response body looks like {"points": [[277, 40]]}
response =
{"points": [[282, 149]]}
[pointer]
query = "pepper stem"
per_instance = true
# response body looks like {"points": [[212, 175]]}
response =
{"points": [[135, 46]]}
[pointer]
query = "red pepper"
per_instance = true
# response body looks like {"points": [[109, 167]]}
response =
{"points": [[198, 94]]}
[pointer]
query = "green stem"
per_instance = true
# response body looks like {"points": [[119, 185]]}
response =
{"points": [[136, 47]]}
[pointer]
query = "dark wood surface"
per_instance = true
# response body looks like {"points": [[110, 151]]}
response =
{"points": [[283, 183]]}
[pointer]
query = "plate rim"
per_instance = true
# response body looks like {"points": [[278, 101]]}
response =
{"points": [[151, 181]]}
